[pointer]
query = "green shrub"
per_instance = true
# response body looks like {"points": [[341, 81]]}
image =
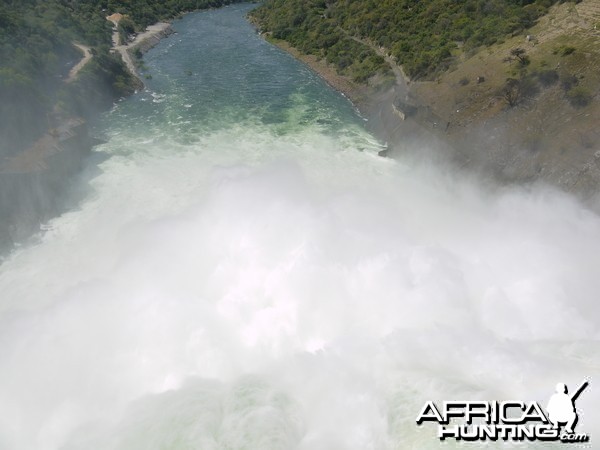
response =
{"points": [[547, 77], [563, 50], [567, 81], [579, 97], [126, 28], [567, 50], [419, 35]]}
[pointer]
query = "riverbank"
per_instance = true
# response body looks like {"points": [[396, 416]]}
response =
{"points": [[357, 93], [378, 101], [463, 116], [33, 182], [141, 43], [258, 279]]}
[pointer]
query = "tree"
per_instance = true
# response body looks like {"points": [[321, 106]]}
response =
{"points": [[517, 90], [511, 92], [518, 54], [126, 28]]}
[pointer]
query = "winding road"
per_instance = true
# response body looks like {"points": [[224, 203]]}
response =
{"points": [[87, 56], [152, 30], [123, 49]]}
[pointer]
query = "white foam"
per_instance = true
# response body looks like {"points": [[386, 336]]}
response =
{"points": [[271, 292]]}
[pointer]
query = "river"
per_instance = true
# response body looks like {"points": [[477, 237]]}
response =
{"points": [[244, 272]]}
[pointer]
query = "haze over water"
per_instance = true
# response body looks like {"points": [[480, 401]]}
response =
{"points": [[246, 273]]}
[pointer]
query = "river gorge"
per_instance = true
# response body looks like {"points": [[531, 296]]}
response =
{"points": [[245, 272]]}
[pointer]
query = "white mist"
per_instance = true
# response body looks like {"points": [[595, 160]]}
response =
{"points": [[263, 291]]}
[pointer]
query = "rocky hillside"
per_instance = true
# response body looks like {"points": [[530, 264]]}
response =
{"points": [[515, 91], [529, 107]]}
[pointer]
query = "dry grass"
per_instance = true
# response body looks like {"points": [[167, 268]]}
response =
{"points": [[557, 133]]}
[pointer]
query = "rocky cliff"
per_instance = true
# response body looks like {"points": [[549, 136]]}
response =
{"points": [[33, 182]]}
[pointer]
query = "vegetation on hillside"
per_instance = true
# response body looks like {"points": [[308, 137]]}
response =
{"points": [[36, 53], [526, 82], [147, 12], [421, 36]]}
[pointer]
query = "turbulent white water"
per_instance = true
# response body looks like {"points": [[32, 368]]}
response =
{"points": [[270, 286]]}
